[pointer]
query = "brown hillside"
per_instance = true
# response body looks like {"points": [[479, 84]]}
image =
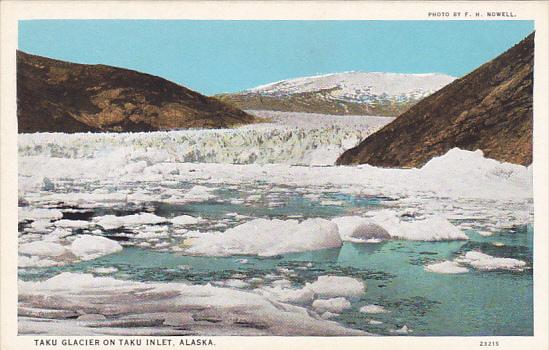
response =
{"points": [[58, 96], [489, 109]]}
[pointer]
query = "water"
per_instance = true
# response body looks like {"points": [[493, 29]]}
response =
{"points": [[474, 303]]}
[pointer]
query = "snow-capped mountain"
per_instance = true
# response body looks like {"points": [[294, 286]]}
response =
{"points": [[342, 93]]}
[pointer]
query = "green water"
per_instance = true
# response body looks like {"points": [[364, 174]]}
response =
{"points": [[473, 303]]}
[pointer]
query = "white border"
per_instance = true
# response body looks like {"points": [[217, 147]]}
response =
{"points": [[12, 11]]}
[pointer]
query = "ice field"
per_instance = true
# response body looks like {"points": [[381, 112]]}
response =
{"points": [[254, 231]]}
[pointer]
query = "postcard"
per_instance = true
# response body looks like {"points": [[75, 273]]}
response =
{"points": [[308, 175]]}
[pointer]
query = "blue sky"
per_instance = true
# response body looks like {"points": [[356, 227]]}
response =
{"points": [[225, 56]]}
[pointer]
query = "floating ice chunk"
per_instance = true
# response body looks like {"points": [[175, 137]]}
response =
{"points": [[64, 223], [386, 224], [403, 330], [330, 202], [434, 228], [74, 282], [233, 283], [57, 234], [186, 220], [359, 230], [137, 303], [35, 261], [88, 247], [447, 267], [328, 315], [105, 270], [334, 305], [485, 233], [200, 192], [42, 248], [373, 309], [485, 262], [39, 214], [40, 225], [267, 238], [336, 286], [195, 194], [282, 283], [302, 296], [110, 222], [375, 322], [87, 199]]}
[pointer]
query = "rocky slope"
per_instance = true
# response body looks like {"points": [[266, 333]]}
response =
{"points": [[58, 96], [489, 109], [358, 93]]}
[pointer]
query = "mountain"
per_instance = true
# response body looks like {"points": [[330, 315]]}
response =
{"points": [[489, 109], [383, 94], [58, 96]]}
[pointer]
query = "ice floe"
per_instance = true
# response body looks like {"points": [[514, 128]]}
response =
{"points": [[301, 296], [88, 247], [386, 224], [478, 261], [110, 222], [485, 262], [403, 330], [39, 214], [119, 307], [373, 309], [184, 220], [42, 248], [72, 224], [333, 305], [36, 261], [267, 238], [105, 270], [337, 286], [447, 267]]}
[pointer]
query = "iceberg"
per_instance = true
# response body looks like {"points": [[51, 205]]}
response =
{"points": [[337, 286], [42, 248], [478, 261], [265, 237], [184, 220], [333, 305], [110, 222], [385, 224], [108, 306], [446, 267], [39, 214], [302, 296], [485, 262], [88, 247]]}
